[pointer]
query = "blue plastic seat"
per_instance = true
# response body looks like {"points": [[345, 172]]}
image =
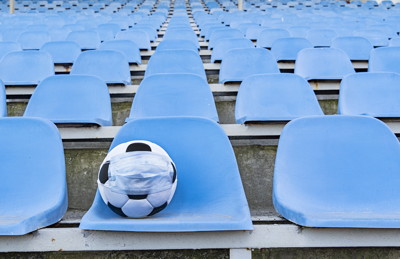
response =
{"points": [[7, 47], [33, 40], [109, 65], [209, 194], [321, 37], [268, 36], [175, 61], [385, 59], [219, 34], [253, 32], [377, 38], [323, 64], [137, 36], [372, 94], [26, 67], [338, 171], [115, 28], [394, 42], [71, 99], [150, 31], [3, 100], [357, 48], [33, 175], [177, 44], [182, 34], [129, 48], [62, 52], [241, 63], [85, 39], [173, 95], [288, 48], [225, 45], [275, 97]]}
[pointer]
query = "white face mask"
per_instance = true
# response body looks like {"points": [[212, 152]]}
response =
{"points": [[139, 173]]}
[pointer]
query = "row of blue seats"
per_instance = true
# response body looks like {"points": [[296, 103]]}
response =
{"points": [[357, 173]]}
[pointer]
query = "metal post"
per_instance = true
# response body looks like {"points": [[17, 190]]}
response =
{"points": [[240, 5], [12, 6]]}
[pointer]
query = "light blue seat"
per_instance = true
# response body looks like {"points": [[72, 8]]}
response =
{"points": [[287, 48], [241, 63], [385, 59], [33, 175], [173, 95], [129, 48], [3, 100], [115, 28], [225, 45], [219, 34], [141, 38], [26, 67], [394, 42], [209, 194], [253, 32], [7, 47], [177, 44], [71, 99], [323, 64], [321, 37], [33, 40], [377, 38], [372, 94], [109, 65], [182, 34], [268, 36], [338, 171], [357, 48], [275, 97], [62, 52], [151, 31], [175, 61], [85, 39]]}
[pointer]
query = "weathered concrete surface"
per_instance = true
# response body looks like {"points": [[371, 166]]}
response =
{"points": [[195, 254], [82, 168], [329, 106], [16, 108], [226, 112], [324, 253], [120, 111], [256, 165]]}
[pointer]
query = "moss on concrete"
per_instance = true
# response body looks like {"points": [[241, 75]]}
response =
{"points": [[329, 106], [324, 253], [82, 168], [226, 112], [16, 108], [120, 111], [195, 254], [256, 165]]}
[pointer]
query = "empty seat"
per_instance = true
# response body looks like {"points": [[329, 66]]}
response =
{"points": [[33, 39], [62, 52], [268, 36], [209, 195], [182, 34], [338, 171], [175, 61], [33, 175], [26, 67], [357, 48], [137, 36], [177, 44], [275, 97], [372, 94], [225, 45], [7, 47], [241, 63], [287, 48], [109, 65], [71, 99], [323, 64], [395, 42], [3, 100], [385, 59], [85, 39], [173, 95], [129, 48], [377, 38], [219, 34], [321, 37]]}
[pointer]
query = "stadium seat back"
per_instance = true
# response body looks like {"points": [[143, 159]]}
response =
{"points": [[385, 59], [127, 47], [62, 52]]}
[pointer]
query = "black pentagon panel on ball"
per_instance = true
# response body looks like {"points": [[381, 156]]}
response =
{"points": [[137, 197], [116, 210], [174, 176], [103, 175], [158, 209], [138, 147]]}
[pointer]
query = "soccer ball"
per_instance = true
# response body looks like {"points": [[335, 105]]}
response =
{"points": [[135, 206]]}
